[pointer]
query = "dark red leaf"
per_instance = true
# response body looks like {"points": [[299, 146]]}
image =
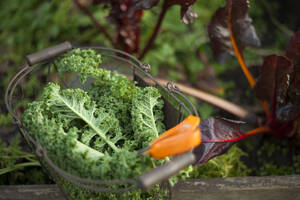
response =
{"points": [[136, 4], [278, 84], [293, 50], [274, 80], [242, 29], [214, 129], [126, 16]]}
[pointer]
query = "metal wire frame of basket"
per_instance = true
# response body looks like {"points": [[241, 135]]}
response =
{"points": [[138, 72]]}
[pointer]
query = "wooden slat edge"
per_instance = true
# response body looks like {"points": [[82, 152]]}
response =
{"points": [[32, 192], [240, 183], [188, 187]]}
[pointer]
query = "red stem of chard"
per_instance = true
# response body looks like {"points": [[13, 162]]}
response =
{"points": [[261, 129], [241, 60]]}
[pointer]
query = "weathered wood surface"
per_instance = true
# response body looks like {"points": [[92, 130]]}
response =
{"points": [[32, 192], [246, 188]]}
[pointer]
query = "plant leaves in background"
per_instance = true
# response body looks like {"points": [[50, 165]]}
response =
{"points": [[214, 130], [293, 49], [242, 28], [126, 16], [127, 20], [206, 79], [274, 80], [293, 52], [134, 4], [143, 4]]}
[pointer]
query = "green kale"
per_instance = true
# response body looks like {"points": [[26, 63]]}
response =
{"points": [[115, 95], [147, 116], [84, 62], [96, 133]]}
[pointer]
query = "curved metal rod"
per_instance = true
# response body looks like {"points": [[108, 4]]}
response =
{"points": [[186, 99], [113, 50], [10, 90], [29, 70]]}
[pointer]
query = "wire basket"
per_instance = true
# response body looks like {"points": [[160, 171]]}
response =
{"points": [[176, 106]]}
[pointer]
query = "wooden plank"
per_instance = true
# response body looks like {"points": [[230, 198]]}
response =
{"points": [[32, 192], [245, 188]]}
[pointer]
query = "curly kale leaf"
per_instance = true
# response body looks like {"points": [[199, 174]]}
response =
{"points": [[76, 104], [117, 85], [147, 116], [85, 62], [63, 147]]}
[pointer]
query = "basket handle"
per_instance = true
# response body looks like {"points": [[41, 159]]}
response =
{"points": [[166, 170], [48, 53]]}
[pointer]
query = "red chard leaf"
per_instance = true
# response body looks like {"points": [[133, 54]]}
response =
{"points": [[274, 80], [293, 49], [126, 16], [293, 52], [242, 29], [135, 5], [214, 131]]}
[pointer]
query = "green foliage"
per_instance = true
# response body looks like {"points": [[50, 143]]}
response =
{"points": [[5, 120], [296, 164], [18, 166], [177, 44], [148, 116], [205, 110], [227, 165], [84, 62], [274, 159], [9, 154], [34, 25], [269, 169]]}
